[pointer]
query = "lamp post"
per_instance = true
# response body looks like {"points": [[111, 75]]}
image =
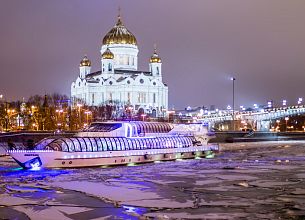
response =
{"points": [[286, 119], [87, 116], [233, 103], [143, 117], [300, 100]]}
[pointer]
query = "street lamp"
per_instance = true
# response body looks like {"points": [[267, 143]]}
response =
{"points": [[87, 116], [300, 100], [278, 125], [286, 119], [233, 103], [143, 115]]}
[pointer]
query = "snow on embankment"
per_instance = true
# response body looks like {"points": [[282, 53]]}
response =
{"points": [[249, 145]]}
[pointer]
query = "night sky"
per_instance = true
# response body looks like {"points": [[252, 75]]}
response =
{"points": [[202, 44]]}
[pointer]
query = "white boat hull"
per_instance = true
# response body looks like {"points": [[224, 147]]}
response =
{"points": [[59, 159]]}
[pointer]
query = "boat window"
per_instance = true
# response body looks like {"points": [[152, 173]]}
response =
{"points": [[177, 142], [55, 146], [180, 142], [76, 144], [102, 127], [128, 132], [184, 141], [140, 128], [173, 142], [166, 143], [146, 144], [104, 143], [152, 142], [135, 130], [138, 144], [132, 145], [94, 145], [145, 128], [126, 144], [82, 144], [99, 144], [189, 141], [114, 145], [43, 143], [109, 145], [69, 144], [63, 146], [157, 143], [152, 128], [117, 143], [161, 143], [88, 143], [122, 143]]}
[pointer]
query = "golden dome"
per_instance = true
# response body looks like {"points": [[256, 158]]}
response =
{"points": [[107, 54], [85, 61], [155, 57], [119, 35]]}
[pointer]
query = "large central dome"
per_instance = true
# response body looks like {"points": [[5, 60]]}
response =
{"points": [[119, 35]]}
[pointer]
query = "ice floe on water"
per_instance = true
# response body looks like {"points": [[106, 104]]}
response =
{"points": [[245, 180]]}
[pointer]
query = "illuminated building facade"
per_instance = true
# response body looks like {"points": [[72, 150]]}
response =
{"points": [[119, 81]]}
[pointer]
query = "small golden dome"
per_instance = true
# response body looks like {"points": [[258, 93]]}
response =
{"points": [[107, 54], [119, 35], [85, 61], [155, 57]]}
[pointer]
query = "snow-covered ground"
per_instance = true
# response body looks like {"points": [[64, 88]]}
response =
{"points": [[245, 180]]}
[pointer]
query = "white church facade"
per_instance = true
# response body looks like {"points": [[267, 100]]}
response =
{"points": [[119, 81]]}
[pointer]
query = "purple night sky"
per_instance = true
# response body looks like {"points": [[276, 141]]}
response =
{"points": [[201, 43]]}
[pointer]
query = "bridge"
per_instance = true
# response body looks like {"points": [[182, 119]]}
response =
{"points": [[258, 119]]}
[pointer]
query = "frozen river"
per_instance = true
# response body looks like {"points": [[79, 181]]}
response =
{"points": [[264, 180]]}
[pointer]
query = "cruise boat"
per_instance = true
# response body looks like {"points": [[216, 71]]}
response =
{"points": [[118, 143]]}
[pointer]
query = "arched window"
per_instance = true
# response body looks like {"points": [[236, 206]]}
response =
{"points": [[157, 68], [109, 67]]}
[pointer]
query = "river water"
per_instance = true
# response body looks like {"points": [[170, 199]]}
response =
{"points": [[263, 180]]}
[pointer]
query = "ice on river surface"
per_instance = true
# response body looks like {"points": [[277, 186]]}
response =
{"points": [[245, 180]]}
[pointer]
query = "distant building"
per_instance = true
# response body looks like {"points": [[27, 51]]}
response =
{"points": [[119, 81]]}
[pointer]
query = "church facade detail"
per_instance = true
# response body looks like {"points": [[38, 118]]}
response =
{"points": [[119, 81]]}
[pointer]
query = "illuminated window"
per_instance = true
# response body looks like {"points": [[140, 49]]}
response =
{"points": [[76, 144], [94, 145], [99, 144], [88, 143], [82, 144]]}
